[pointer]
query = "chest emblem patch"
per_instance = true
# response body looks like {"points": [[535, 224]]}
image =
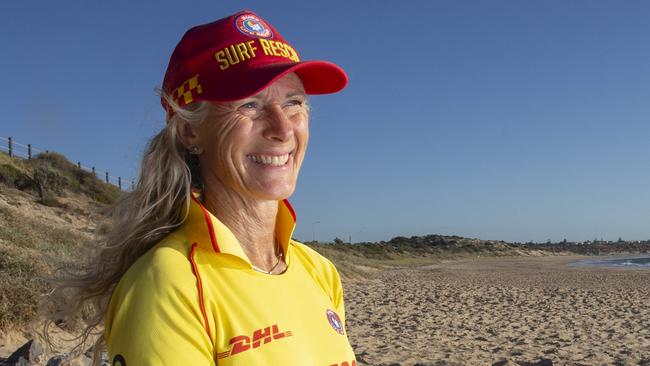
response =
{"points": [[334, 320]]}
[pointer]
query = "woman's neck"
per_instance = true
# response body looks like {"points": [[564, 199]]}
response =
{"points": [[251, 221]]}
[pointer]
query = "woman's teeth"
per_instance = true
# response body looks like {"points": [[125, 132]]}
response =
{"points": [[274, 160]]}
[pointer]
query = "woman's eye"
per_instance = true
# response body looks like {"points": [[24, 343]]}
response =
{"points": [[249, 105], [294, 102]]}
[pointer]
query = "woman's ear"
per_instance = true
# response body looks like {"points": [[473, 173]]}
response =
{"points": [[187, 135]]}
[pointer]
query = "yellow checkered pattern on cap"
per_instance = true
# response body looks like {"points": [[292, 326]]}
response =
{"points": [[184, 94]]}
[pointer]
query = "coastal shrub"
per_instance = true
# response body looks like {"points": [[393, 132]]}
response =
{"points": [[59, 174], [51, 201], [8, 174]]}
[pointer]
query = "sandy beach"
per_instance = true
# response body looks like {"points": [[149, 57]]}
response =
{"points": [[508, 311]]}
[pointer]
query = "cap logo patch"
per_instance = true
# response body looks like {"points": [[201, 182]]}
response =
{"points": [[253, 26], [335, 321]]}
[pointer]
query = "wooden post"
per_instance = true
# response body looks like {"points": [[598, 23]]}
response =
{"points": [[11, 150], [94, 172], [106, 177], [119, 182], [29, 151]]}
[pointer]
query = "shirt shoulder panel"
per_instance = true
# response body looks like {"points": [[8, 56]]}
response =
{"points": [[154, 317]]}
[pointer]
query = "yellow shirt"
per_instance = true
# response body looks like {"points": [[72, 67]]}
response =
{"points": [[194, 299]]}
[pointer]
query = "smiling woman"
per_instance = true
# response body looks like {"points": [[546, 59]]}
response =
{"points": [[254, 146], [199, 267]]}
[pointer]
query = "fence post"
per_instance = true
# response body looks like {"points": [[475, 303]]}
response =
{"points": [[119, 182], [94, 172], [11, 152], [106, 177]]}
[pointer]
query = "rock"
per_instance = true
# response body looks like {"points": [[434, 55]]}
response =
{"points": [[361, 358], [541, 362], [28, 354], [80, 361], [55, 361], [505, 363]]}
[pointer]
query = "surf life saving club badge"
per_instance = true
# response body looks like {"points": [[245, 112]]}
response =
{"points": [[253, 26], [335, 321]]}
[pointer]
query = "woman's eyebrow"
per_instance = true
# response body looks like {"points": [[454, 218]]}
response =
{"points": [[295, 93]]}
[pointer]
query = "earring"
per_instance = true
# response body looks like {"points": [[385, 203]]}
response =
{"points": [[194, 150]]}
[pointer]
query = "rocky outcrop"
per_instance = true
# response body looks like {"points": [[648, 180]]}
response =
{"points": [[33, 353]]}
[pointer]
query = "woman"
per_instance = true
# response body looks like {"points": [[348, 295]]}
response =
{"points": [[210, 275]]}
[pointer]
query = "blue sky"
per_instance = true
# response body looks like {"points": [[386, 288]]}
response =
{"points": [[513, 120]]}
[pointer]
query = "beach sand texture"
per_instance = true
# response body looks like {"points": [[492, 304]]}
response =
{"points": [[507, 310]]}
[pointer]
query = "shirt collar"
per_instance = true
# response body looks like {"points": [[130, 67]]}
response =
{"points": [[203, 228]]}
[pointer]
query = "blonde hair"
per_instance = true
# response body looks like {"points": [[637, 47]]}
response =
{"points": [[136, 223]]}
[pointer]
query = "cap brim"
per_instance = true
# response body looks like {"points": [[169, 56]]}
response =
{"points": [[318, 77]]}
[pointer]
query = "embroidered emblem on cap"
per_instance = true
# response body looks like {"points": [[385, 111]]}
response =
{"points": [[253, 26], [335, 321]]}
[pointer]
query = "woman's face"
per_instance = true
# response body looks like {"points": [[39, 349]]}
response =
{"points": [[255, 146]]}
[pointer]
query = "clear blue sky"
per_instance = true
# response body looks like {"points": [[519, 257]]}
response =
{"points": [[514, 120]]}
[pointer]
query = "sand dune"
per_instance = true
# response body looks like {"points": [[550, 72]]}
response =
{"points": [[501, 310]]}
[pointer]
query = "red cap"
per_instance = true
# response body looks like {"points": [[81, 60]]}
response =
{"points": [[236, 57]]}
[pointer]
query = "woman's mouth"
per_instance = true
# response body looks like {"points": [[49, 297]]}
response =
{"points": [[270, 160]]}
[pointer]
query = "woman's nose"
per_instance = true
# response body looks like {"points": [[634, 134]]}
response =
{"points": [[279, 126]]}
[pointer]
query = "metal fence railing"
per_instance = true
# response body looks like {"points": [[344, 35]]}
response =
{"points": [[16, 149]]}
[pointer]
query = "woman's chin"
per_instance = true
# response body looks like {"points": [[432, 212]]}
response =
{"points": [[273, 191]]}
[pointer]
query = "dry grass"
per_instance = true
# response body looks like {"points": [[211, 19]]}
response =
{"points": [[34, 241], [29, 249], [24, 232], [20, 285]]}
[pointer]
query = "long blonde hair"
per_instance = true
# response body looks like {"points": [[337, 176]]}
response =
{"points": [[137, 221]]}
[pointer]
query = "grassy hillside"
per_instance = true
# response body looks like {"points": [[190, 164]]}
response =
{"points": [[48, 209], [50, 176]]}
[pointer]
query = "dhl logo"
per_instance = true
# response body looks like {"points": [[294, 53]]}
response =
{"points": [[261, 336]]}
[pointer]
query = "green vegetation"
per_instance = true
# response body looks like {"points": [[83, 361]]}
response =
{"points": [[51, 175], [360, 260]]}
